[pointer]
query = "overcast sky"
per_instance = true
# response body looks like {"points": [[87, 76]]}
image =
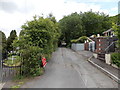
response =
{"points": [[14, 13]]}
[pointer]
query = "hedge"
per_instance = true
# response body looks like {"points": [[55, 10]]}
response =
{"points": [[115, 57]]}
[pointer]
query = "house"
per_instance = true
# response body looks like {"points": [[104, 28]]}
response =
{"points": [[109, 33], [102, 45]]}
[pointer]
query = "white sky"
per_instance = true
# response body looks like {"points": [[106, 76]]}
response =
{"points": [[14, 13]]}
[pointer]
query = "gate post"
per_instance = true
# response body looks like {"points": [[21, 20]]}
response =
{"points": [[1, 68], [108, 58], [1, 58]]}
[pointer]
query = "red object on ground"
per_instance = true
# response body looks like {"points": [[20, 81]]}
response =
{"points": [[44, 61]]}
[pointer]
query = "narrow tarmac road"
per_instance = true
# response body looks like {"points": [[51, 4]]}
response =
{"points": [[67, 69]]}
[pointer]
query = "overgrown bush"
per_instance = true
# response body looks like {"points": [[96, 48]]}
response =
{"points": [[12, 63], [115, 57], [79, 40], [30, 61], [11, 54], [38, 38]]}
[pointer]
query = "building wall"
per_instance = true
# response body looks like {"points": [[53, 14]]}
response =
{"points": [[86, 46], [101, 43], [77, 46]]}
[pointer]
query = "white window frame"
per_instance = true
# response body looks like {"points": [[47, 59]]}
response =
{"points": [[99, 44]]}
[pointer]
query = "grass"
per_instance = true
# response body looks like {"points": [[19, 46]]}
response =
{"points": [[16, 86], [20, 80]]}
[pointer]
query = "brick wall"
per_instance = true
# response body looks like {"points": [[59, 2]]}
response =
{"points": [[102, 43], [86, 46]]}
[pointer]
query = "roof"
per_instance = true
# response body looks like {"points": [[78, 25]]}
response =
{"points": [[109, 30]]}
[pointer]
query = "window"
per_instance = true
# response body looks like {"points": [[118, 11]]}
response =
{"points": [[99, 44], [99, 40], [99, 48]]}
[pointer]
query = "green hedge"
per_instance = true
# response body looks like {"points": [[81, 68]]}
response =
{"points": [[38, 38], [31, 61], [115, 57]]}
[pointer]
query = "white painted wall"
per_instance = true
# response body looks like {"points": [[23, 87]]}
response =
{"points": [[77, 46], [95, 55], [108, 59]]}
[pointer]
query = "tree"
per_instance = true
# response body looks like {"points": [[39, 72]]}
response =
{"points": [[52, 18], [95, 22], [116, 56], [115, 19], [10, 40], [3, 45], [38, 38], [71, 27], [57, 30], [83, 24], [42, 32], [116, 28]]}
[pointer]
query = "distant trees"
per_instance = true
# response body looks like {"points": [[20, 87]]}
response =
{"points": [[6, 44], [95, 22], [71, 27], [88, 23], [115, 19], [3, 50], [10, 40]]}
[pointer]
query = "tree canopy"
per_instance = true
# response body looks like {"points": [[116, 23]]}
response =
{"points": [[115, 19], [10, 40], [95, 23], [3, 45], [38, 38], [88, 23], [71, 27]]}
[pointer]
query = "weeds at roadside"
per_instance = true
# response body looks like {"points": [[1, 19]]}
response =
{"points": [[19, 80]]}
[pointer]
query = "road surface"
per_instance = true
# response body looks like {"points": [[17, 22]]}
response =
{"points": [[67, 69]]}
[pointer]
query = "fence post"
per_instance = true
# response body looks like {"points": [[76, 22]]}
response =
{"points": [[1, 70], [108, 59]]}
